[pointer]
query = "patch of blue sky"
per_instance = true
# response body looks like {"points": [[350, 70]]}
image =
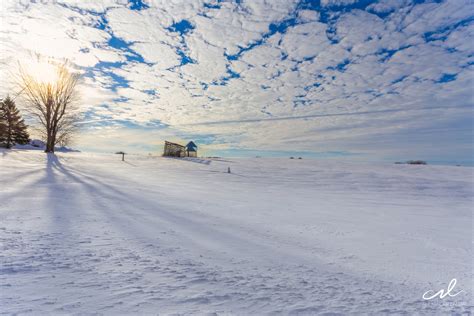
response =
{"points": [[89, 115], [230, 74], [184, 58], [312, 86], [118, 81], [121, 99], [385, 54], [154, 123], [446, 78], [91, 120], [341, 67], [345, 7], [107, 69], [245, 49], [282, 26], [122, 45], [203, 139], [182, 27], [137, 5], [443, 33], [130, 124], [399, 79], [118, 43], [102, 23], [212, 5], [150, 92], [314, 5]]}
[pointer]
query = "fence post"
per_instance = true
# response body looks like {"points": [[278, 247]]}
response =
{"points": [[121, 153]]}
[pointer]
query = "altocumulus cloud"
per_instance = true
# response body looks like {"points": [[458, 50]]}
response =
{"points": [[384, 79]]}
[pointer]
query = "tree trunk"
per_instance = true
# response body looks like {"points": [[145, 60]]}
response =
{"points": [[9, 132], [50, 144], [9, 138]]}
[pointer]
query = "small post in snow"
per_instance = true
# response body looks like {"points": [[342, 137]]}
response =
{"points": [[121, 153], [228, 169]]}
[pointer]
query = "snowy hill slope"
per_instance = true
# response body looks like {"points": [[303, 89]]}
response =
{"points": [[85, 233]]}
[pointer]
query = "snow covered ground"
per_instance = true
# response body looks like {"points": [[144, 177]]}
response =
{"points": [[87, 233]]}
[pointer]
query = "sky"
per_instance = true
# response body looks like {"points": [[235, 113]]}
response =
{"points": [[365, 80]]}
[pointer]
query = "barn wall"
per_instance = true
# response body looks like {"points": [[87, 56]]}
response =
{"points": [[174, 150]]}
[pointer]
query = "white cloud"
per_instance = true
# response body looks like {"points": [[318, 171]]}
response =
{"points": [[337, 2], [308, 67], [305, 40]]}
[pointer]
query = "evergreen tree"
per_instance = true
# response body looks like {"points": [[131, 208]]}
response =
{"points": [[13, 129], [3, 127]]}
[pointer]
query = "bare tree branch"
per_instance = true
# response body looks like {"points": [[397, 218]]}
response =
{"points": [[52, 104]]}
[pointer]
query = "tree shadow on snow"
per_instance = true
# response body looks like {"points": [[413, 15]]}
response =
{"points": [[121, 208], [195, 160]]}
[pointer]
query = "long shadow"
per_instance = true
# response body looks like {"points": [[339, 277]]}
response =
{"points": [[20, 188], [59, 198], [221, 160], [136, 219], [129, 163], [94, 186], [223, 172], [98, 190], [195, 160]]}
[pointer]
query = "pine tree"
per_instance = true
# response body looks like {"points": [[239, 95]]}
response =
{"points": [[3, 127], [13, 129]]}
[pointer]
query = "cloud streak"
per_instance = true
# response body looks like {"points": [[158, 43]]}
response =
{"points": [[303, 117]]}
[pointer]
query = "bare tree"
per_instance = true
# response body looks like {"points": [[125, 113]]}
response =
{"points": [[52, 103]]}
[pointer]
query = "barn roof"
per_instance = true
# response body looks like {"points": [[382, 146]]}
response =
{"points": [[170, 143], [191, 146]]}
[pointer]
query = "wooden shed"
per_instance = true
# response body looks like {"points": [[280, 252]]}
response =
{"points": [[177, 150], [174, 150]]}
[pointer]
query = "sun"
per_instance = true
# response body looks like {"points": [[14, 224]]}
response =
{"points": [[44, 72]]}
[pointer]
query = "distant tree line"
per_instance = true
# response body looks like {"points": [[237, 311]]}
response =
{"points": [[13, 129]]}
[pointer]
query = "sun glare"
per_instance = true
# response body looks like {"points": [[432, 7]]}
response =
{"points": [[43, 72]]}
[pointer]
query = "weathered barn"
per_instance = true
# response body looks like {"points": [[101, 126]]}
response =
{"points": [[174, 150], [177, 150]]}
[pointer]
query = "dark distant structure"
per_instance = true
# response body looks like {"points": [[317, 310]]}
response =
{"points": [[177, 150]]}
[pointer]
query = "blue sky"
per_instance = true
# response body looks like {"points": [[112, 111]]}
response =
{"points": [[366, 80]]}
